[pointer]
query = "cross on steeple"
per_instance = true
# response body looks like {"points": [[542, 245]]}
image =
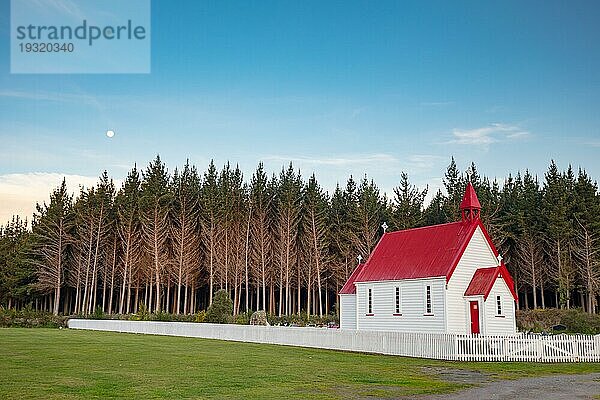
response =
{"points": [[384, 226], [359, 258]]}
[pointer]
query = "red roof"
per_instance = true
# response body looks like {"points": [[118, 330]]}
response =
{"points": [[470, 199], [431, 251], [349, 287], [428, 252], [484, 278]]}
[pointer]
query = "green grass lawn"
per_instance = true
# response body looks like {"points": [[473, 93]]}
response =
{"points": [[65, 364]]}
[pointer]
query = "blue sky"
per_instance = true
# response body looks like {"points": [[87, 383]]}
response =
{"points": [[336, 87]]}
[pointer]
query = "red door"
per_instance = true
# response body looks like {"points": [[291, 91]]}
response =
{"points": [[474, 307]]}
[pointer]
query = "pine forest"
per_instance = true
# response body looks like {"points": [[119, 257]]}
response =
{"points": [[169, 240]]}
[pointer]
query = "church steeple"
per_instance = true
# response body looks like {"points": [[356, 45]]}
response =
{"points": [[469, 206]]}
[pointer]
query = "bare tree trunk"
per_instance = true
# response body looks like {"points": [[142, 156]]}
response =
{"points": [[299, 292], [78, 288], [327, 299], [95, 265], [264, 285], [542, 295], [168, 308], [149, 304], [280, 291], [211, 263], [185, 294], [59, 267], [126, 268], [86, 290], [112, 275], [193, 305], [247, 255]]}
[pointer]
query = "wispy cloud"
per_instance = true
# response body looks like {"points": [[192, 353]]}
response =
{"points": [[592, 143], [48, 96], [62, 7], [20, 192], [343, 161], [357, 111], [496, 109], [423, 161], [54, 97], [488, 134], [435, 103], [380, 162]]}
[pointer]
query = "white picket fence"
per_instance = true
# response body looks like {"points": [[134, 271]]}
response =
{"points": [[536, 348]]}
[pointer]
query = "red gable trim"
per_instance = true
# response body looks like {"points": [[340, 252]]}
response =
{"points": [[349, 287], [484, 279], [509, 281]]}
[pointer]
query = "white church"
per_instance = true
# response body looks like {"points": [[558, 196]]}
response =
{"points": [[446, 278]]}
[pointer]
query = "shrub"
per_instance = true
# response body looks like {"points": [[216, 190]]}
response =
{"points": [[221, 309], [200, 317], [302, 320], [161, 316], [28, 318], [581, 322], [142, 314], [98, 313], [243, 318], [259, 318], [575, 320]]}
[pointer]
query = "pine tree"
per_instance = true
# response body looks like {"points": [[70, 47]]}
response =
{"points": [[587, 237], [343, 221], [155, 204], [435, 212], [529, 247], [558, 228], [186, 245], [127, 203], [209, 222], [506, 229], [453, 182], [315, 210], [261, 238], [82, 250], [238, 235], [369, 212], [16, 274], [104, 201], [52, 228], [408, 204], [288, 218]]}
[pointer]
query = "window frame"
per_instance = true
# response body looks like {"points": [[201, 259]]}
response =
{"points": [[428, 300], [369, 310], [397, 301], [499, 307]]}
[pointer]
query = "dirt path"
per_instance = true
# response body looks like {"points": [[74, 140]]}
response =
{"points": [[557, 387]]}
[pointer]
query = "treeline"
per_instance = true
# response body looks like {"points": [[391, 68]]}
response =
{"points": [[280, 243]]}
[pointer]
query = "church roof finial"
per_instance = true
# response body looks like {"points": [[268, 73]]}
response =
{"points": [[470, 200], [469, 206]]}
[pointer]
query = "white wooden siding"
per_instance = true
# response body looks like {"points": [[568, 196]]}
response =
{"points": [[478, 254], [499, 325], [347, 311], [412, 293]]}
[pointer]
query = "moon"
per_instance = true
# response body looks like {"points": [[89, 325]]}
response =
{"points": [[110, 133]]}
